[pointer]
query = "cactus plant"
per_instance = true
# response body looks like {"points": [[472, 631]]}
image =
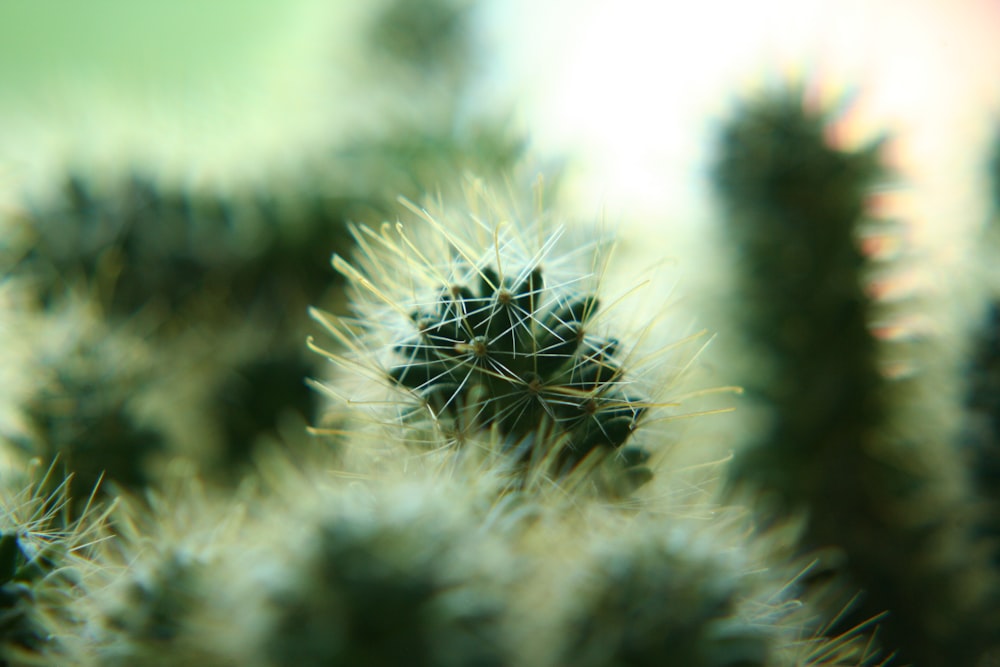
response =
{"points": [[884, 493], [488, 335], [164, 590], [677, 593], [81, 413], [44, 560], [387, 574]]}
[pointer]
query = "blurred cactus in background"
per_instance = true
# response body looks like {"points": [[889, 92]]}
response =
{"points": [[890, 499], [82, 413]]}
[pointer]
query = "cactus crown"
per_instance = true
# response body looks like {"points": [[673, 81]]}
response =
{"points": [[507, 353], [488, 342]]}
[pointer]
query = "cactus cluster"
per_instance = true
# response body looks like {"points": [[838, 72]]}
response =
{"points": [[493, 341], [482, 488]]}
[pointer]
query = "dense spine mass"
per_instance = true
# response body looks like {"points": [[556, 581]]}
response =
{"points": [[510, 354], [484, 337]]}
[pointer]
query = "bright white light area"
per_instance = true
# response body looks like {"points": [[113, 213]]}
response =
{"points": [[635, 89]]}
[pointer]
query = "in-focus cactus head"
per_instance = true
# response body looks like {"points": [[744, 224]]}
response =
{"points": [[494, 336], [502, 351]]}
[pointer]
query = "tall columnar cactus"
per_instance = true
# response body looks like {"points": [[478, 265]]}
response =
{"points": [[484, 336], [792, 206], [884, 495], [982, 432]]}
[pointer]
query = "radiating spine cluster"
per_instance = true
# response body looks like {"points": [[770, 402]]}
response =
{"points": [[514, 356], [488, 343]]}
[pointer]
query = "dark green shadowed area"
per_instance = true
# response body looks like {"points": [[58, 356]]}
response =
{"points": [[793, 206]]}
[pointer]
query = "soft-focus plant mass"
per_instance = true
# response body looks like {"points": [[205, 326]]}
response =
{"points": [[397, 406]]}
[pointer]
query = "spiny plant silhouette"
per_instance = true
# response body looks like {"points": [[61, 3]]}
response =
{"points": [[794, 205], [42, 563], [491, 341]]}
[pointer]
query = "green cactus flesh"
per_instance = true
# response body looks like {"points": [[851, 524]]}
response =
{"points": [[507, 354]]}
